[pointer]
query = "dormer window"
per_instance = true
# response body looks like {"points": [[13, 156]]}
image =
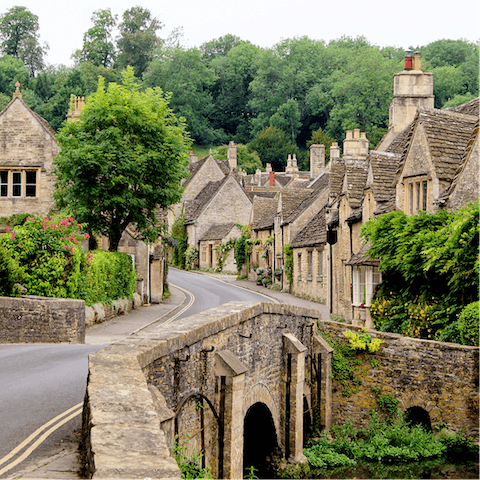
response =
{"points": [[416, 195]]}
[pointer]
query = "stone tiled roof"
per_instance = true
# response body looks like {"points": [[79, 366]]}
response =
{"points": [[356, 178], [446, 194], [384, 166], [385, 207], [314, 233], [337, 173], [264, 212], [265, 194], [194, 167], [400, 143], [218, 232], [301, 198], [361, 258], [469, 108], [334, 218], [194, 207], [448, 134]]}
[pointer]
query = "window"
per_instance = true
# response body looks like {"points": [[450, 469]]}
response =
{"points": [[310, 264], [18, 183], [365, 281], [417, 196], [299, 265], [320, 266], [31, 184], [3, 183]]}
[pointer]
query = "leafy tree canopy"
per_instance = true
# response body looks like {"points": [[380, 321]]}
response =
{"points": [[20, 39], [122, 160]]}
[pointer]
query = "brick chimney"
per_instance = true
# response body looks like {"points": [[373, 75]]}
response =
{"points": [[317, 160], [272, 179], [232, 155]]}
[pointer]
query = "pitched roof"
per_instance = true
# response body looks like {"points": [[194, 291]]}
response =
{"points": [[400, 143], [264, 213], [384, 166], [469, 108], [218, 231], [194, 207], [448, 134], [361, 258], [314, 233], [266, 194], [355, 178], [194, 167], [337, 172]]}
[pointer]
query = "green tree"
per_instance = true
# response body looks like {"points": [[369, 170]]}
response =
{"points": [[122, 160], [138, 39], [287, 118], [448, 82], [98, 45], [319, 137], [20, 39], [183, 73], [246, 160], [273, 147], [220, 47], [448, 53]]}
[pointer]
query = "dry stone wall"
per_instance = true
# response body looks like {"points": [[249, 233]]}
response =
{"points": [[32, 319]]}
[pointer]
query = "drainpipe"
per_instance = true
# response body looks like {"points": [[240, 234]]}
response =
{"points": [[351, 271]]}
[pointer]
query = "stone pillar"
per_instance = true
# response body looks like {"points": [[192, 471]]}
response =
{"points": [[323, 353], [294, 353], [157, 274], [232, 384]]}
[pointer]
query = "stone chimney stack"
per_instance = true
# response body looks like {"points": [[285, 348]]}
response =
{"points": [[292, 166], [193, 157], [317, 160], [258, 177], [412, 88], [355, 145], [334, 152], [76, 105], [232, 155], [268, 167]]}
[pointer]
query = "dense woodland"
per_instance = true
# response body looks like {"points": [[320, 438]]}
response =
{"points": [[275, 100]]}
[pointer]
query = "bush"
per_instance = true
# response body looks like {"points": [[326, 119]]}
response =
{"points": [[110, 276], [468, 325], [9, 274]]}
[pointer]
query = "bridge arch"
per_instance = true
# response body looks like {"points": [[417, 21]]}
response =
{"points": [[418, 416], [260, 393]]}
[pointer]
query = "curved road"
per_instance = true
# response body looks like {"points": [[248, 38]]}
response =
{"points": [[41, 382]]}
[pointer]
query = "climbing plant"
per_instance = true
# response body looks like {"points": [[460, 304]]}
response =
{"points": [[288, 258], [222, 253]]}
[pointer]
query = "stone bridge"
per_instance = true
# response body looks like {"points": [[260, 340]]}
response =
{"points": [[245, 381]]}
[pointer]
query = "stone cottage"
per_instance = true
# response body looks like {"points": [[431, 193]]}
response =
{"points": [[27, 150]]}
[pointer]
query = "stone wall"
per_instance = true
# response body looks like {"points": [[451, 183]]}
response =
{"points": [[31, 319], [441, 378]]}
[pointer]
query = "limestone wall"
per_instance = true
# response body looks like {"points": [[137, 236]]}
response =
{"points": [[441, 378], [31, 319]]}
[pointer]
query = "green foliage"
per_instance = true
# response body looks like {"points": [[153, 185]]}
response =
{"points": [[387, 403], [98, 45], [19, 35], [9, 274], [272, 146], [319, 137], [380, 442], [248, 161], [188, 460], [251, 472], [48, 254], [242, 248], [222, 253], [459, 447], [191, 257], [122, 160], [288, 263], [109, 276], [179, 233], [468, 324]]}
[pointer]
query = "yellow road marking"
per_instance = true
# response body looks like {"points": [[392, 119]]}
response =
{"points": [[184, 309], [78, 409]]}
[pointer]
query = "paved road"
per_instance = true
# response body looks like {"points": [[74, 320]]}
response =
{"points": [[40, 382]]}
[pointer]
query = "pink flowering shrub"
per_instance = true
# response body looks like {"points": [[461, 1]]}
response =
{"points": [[49, 254]]}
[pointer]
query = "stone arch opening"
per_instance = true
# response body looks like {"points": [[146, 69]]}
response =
{"points": [[307, 420], [259, 440], [418, 416]]}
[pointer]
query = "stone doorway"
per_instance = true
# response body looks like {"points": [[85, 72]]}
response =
{"points": [[259, 440]]}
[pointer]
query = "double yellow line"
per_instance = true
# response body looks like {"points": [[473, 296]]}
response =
{"points": [[57, 422]]}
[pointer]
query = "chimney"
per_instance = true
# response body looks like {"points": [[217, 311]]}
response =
{"points": [[17, 93], [193, 157], [334, 151], [268, 167], [272, 179], [355, 144], [258, 177], [317, 160], [76, 105], [412, 88], [232, 155]]}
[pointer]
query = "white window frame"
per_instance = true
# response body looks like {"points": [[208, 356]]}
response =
{"points": [[365, 279]]}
